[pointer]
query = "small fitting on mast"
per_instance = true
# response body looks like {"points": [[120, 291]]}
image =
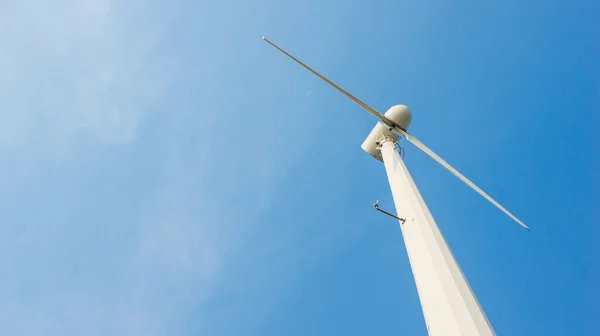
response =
{"points": [[376, 206], [379, 143], [385, 139]]}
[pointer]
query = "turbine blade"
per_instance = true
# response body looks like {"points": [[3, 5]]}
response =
{"points": [[456, 173], [360, 103], [397, 128]]}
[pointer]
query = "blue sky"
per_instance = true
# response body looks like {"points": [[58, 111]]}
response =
{"points": [[166, 172]]}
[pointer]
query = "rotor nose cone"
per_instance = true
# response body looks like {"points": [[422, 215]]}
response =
{"points": [[400, 114]]}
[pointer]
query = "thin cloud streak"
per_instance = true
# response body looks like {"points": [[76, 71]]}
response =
{"points": [[78, 66], [127, 210]]}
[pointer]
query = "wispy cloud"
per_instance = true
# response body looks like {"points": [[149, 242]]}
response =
{"points": [[129, 199], [77, 66], [79, 258]]}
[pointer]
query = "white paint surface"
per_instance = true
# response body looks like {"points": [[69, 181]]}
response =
{"points": [[449, 305]]}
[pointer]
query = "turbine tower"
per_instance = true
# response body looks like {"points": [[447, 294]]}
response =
{"points": [[448, 303]]}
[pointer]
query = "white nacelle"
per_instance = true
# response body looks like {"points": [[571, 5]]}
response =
{"points": [[401, 115]]}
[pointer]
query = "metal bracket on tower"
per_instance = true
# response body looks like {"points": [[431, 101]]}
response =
{"points": [[385, 139], [376, 205]]}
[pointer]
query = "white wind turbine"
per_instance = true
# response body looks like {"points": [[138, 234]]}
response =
{"points": [[448, 303]]}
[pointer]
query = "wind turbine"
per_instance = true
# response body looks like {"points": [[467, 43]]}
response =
{"points": [[448, 303]]}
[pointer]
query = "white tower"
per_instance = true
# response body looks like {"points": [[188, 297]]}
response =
{"points": [[449, 305]]}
